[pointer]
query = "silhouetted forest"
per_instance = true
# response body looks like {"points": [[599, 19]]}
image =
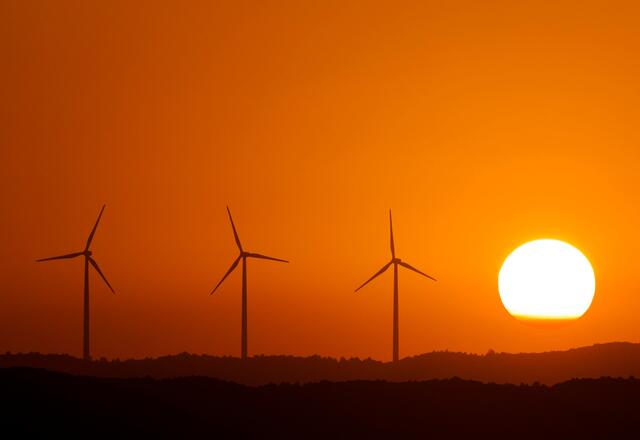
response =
{"points": [[614, 359], [43, 402]]}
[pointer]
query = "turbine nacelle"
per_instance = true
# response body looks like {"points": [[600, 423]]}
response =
{"points": [[87, 253], [394, 260], [243, 254]]}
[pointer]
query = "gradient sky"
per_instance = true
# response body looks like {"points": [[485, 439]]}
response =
{"points": [[481, 124]]}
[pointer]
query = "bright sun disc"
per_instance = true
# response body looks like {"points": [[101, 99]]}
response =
{"points": [[546, 280]]}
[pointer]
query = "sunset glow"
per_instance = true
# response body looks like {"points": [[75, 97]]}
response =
{"points": [[481, 125]]}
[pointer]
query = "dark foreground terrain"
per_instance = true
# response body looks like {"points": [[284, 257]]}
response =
{"points": [[620, 359], [43, 402]]}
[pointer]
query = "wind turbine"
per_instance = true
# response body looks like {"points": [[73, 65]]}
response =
{"points": [[243, 256], [88, 259], [396, 262]]}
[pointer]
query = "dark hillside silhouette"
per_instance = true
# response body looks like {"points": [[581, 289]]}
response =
{"points": [[47, 403], [613, 359]]}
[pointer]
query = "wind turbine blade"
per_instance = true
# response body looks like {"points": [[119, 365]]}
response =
{"points": [[264, 257], [235, 233], [393, 248], [95, 266], [408, 266], [233, 266], [61, 257], [385, 267], [93, 231]]}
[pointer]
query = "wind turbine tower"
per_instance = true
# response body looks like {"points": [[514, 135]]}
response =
{"points": [[88, 260], [395, 262], [243, 256]]}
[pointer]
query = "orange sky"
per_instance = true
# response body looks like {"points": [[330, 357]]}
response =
{"points": [[481, 124]]}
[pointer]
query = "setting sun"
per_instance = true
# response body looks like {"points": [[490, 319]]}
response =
{"points": [[546, 279]]}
